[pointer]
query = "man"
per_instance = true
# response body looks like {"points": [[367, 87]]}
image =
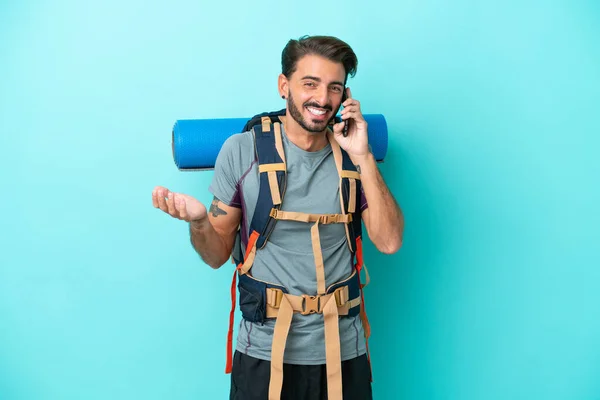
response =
{"points": [[313, 81]]}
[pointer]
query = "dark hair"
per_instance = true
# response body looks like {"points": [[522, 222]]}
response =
{"points": [[328, 47]]}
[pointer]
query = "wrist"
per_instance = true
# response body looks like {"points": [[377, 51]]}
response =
{"points": [[360, 159], [199, 223]]}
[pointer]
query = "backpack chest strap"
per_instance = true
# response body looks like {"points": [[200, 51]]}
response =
{"points": [[304, 217]]}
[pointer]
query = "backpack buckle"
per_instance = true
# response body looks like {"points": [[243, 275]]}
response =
{"points": [[311, 304], [274, 297], [341, 296], [328, 219]]}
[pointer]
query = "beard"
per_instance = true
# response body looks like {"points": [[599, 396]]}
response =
{"points": [[313, 126]]}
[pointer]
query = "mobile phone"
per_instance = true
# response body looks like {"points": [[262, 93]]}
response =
{"points": [[345, 128]]}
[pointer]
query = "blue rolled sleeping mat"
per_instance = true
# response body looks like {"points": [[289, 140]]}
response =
{"points": [[196, 142]]}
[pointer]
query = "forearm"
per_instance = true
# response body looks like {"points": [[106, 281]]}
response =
{"points": [[385, 219], [208, 243]]}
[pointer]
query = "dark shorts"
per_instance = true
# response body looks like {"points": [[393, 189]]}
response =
{"points": [[250, 380]]}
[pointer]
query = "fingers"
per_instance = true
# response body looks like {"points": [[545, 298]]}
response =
{"points": [[155, 198], [349, 99], [180, 206], [171, 203], [355, 115], [337, 128], [166, 200], [158, 198], [352, 110], [351, 104]]}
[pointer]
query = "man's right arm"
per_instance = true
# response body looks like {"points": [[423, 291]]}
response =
{"points": [[213, 236]]}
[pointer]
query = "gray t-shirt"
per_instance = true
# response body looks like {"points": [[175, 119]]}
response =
{"points": [[287, 259]]}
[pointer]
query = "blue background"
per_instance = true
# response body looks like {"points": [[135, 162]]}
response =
{"points": [[493, 115]]}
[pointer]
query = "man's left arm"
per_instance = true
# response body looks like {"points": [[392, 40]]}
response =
{"points": [[383, 217]]}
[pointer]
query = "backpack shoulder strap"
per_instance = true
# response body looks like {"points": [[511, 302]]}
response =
{"points": [[272, 177], [351, 192], [350, 189]]}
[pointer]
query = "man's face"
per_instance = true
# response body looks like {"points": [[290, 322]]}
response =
{"points": [[315, 92]]}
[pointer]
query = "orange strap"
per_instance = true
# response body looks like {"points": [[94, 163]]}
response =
{"points": [[245, 266], [359, 254], [229, 365], [250, 250]]}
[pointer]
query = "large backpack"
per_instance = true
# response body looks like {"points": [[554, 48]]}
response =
{"points": [[261, 300]]}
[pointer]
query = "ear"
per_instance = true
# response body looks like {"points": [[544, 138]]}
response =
{"points": [[283, 86]]}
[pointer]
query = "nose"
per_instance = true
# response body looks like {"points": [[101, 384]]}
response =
{"points": [[322, 95]]}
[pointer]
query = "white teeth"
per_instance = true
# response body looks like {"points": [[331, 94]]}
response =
{"points": [[315, 111]]}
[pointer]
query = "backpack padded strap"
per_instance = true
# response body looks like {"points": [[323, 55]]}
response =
{"points": [[272, 177], [339, 159]]}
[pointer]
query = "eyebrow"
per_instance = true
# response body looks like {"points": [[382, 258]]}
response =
{"points": [[314, 78]]}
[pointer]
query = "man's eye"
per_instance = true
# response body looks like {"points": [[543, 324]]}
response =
{"points": [[310, 84]]}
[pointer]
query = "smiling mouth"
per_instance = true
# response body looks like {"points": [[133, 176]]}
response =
{"points": [[317, 112]]}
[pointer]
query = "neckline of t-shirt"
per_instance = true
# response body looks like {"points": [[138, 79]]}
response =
{"points": [[291, 146]]}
